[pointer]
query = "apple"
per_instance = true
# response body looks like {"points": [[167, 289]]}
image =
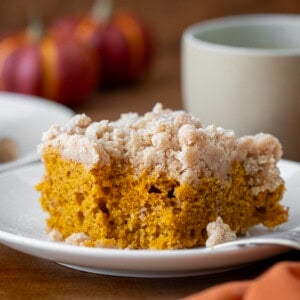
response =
{"points": [[122, 41], [61, 69]]}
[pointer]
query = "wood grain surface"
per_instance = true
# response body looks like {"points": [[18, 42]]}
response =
{"points": [[26, 277]]}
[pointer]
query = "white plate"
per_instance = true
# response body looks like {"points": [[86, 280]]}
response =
{"points": [[23, 119], [22, 224]]}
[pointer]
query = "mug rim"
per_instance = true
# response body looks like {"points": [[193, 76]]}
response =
{"points": [[189, 34]]}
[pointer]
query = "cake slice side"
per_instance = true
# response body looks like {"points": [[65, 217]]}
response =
{"points": [[156, 181]]}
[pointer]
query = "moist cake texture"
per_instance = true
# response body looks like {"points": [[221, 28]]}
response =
{"points": [[156, 181]]}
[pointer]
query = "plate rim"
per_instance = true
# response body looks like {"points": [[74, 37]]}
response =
{"points": [[43, 102], [10, 98]]}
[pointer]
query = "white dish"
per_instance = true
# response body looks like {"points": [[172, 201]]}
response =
{"points": [[22, 224], [23, 119]]}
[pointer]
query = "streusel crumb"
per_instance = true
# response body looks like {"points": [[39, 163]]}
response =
{"points": [[55, 236], [77, 239], [218, 232], [166, 141]]}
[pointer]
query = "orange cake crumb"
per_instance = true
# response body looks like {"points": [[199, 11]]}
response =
{"points": [[156, 181]]}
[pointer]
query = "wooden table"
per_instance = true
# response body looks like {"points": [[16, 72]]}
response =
{"points": [[26, 277]]}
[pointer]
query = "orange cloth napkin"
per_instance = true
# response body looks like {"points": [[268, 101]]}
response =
{"points": [[282, 281]]}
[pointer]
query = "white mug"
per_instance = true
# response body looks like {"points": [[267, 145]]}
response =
{"points": [[243, 73]]}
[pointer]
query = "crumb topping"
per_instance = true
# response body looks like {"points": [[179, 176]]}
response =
{"points": [[55, 236], [166, 141], [218, 232], [77, 239]]}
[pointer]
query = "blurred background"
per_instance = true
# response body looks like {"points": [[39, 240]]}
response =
{"points": [[166, 21]]}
